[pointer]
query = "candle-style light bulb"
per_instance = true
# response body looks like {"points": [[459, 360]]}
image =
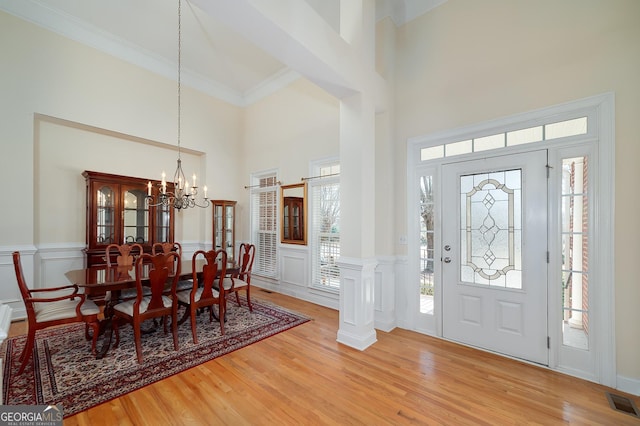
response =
{"points": [[194, 180], [149, 189], [205, 191]]}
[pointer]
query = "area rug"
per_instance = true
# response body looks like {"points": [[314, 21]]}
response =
{"points": [[63, 371]]}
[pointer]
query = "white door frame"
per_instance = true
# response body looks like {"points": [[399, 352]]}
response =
{"points": [[600, 140]]}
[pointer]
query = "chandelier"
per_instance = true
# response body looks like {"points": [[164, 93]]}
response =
{"points": [[183, 193]]}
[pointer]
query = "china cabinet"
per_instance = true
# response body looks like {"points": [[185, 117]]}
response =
{"points": [[117, 213], [224, 226]]}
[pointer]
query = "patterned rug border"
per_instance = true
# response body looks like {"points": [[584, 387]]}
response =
{"points": [[29, 390]]}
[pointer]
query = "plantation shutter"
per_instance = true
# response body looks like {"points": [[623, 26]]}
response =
{"points": [[264, 230]]}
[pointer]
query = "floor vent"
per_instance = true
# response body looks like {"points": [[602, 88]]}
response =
{"points": [[266, 291], [622, 403]]}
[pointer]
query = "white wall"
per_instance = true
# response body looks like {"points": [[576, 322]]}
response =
{"points": [[467, 62]]}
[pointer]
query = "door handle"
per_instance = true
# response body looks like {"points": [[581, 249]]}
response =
{"points": [[447, 260]]}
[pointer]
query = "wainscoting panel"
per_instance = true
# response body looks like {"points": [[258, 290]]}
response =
{"points": [[294, 266], [385, 294], [52, 262]]}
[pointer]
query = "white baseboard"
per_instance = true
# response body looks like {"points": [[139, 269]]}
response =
{"points": [[628, 385]]}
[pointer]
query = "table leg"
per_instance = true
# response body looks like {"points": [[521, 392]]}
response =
{"points": [[106, 330], [106, 327]]}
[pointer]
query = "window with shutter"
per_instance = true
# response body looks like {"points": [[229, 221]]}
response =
{"points": [[264, 232], [325, 226]]}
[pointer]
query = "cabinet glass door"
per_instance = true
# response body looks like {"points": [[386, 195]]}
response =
{"points": [[163, 224], [295, 222], [105, 215], [219, 226], [285, 223], [223, 226], [228, 228], [136, 216]]}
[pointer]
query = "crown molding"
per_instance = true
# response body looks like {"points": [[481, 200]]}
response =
{"points": [[277, 81], [72, 28]]}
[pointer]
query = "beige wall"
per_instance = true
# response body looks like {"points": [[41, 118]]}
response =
{"points": [[100, 114], [285, 131], [469, 61]]}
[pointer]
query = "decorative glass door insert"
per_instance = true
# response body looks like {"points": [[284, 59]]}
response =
{"points": [[491, 229]]}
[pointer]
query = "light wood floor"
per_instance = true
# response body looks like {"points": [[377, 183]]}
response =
{"points": [[303, 376]]}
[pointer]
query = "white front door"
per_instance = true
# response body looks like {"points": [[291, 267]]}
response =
{"points": [[494, 254]]}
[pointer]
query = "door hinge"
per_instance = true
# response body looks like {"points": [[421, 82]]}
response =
{"points": [[548, 342], [548, 170], [547, 257]]}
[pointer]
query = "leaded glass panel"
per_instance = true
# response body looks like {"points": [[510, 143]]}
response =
{"points": [[490, 228]]}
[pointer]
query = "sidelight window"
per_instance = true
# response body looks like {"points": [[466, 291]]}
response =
{"points": [[575, 252]]}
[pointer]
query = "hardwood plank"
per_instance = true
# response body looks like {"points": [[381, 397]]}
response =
{"points": [[303, 376]]}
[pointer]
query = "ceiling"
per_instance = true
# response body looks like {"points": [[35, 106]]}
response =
{"points": [[215, 59]]}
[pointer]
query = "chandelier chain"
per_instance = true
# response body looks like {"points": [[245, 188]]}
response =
{"points": [[181, 194], [179, 69]]}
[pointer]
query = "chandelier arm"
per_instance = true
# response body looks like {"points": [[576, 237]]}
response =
{"points": [[206, 203]]}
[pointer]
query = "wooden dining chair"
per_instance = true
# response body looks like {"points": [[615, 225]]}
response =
{"points": [[125, 254], [241, 281], [168, 247], [202, 293], [125, 258], [48, 307], [155, 305]]}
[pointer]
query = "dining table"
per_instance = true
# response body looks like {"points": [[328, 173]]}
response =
{"points": [[98, 281]]}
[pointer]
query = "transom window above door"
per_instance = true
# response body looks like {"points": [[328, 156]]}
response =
{"points": [[547, 132]]}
